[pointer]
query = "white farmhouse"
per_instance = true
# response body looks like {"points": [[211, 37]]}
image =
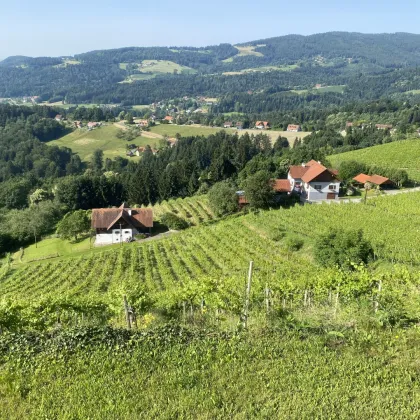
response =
{"points": [[314, 182], [118, 225]]}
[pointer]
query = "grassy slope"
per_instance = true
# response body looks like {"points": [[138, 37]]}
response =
{"points": [[52, 247], [84, 142], [154, 68], [279, 375], [400, 154]]}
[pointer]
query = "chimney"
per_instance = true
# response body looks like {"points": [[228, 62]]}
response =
{"points": [[303, 164], [129, 212]]}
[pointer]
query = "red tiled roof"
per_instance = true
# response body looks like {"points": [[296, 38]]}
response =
{"points": [[378, 179], [282, 185], [362, 178], [169, 118], [297, 171], [106, 218], [313, 172]]}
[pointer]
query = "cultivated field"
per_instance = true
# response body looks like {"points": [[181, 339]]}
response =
{"points": [[84, 142], [223, 250], [398, 154], [196, 130]]}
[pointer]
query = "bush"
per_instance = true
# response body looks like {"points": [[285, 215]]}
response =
{"points": [[343, 249], [293, 243], [172, 221]]}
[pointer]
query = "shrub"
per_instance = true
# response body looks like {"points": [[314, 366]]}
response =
{"points": [[343, 248], [172, 221], [293, 243]]}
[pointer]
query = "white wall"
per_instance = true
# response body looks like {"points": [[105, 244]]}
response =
{"points": [[315, 195], [114, 236]]}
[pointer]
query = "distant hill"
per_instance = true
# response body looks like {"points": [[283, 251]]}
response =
{"points": [[286, 63], [398, 154]]}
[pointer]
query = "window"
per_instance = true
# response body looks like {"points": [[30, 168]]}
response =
{"points": [[116, 232], [127, 231], [318, 187], [298, 183], [332, 187]]}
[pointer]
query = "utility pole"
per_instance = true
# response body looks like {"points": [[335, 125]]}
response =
{"points": [[248, 291]]}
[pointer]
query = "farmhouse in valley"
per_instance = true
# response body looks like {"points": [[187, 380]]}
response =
{"points": [[378, 180], [120, 224], [59, 117], [314, 182], [93, 124], [311, 182], [143, 123], [262, 125], [227, 124], [294, 128], [169, 118]]}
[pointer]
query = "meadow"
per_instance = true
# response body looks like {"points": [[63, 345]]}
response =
{"points": [[152, 68], [403, 154], [85, 142]]}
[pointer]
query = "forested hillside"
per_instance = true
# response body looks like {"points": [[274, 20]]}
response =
{"points": [[369, 65]]}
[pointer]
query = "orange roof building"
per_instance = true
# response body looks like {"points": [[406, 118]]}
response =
{"points": [[314, 182]]}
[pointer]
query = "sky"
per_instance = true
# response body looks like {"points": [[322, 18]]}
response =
{"points": [[46, 28]]}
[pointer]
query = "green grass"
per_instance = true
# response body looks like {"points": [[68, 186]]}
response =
{"points": [[165, 375], [334, 89], [84, 142], [403, 154], [413, 92], [52, 247], [185, 130], [152, 68]]}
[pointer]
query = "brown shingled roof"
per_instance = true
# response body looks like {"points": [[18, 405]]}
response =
{"points": [[106, 218]]}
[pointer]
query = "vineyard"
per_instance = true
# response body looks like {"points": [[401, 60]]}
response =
{"points": [[399, 154], [205, 267], [194, 210], [319, 343]]}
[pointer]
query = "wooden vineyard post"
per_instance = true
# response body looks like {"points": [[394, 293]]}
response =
{"points": [[248, 291], [336, 302], [127, 313], [267, 298], [305, 298], [376, 303], [184, 311]]}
